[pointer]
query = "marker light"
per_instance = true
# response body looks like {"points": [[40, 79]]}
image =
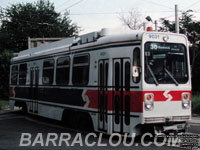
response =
{"points": [[148, 97], [186, 100], [149, 29], [185, 96], [148, 101]]}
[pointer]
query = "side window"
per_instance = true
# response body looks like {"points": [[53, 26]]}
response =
{"points": [[14, 74], [62, 70], [136, 65], [80, 70], [22, 74], [48, 71]]}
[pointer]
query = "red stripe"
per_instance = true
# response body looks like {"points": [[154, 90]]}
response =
{"points": [[176, 95], [136, 101], [93, 98], [136, 98]]}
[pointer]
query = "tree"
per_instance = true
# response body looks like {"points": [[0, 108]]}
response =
{"points": [[33, 20], [132, 20], [187, 25], [5, 57]]}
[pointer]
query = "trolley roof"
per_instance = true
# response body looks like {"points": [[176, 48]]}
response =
{"points": [[105, 36]]}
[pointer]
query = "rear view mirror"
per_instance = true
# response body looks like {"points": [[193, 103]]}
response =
{"points": [[136, 71]]}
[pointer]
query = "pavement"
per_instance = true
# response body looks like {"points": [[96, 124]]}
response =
{"points": [[195, 119], [13, 124]]}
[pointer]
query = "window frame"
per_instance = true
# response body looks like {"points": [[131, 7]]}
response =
{"points": [[20, 79], [74, 65], [69, 60], [48, 68], [127, 75], [136, 80], [186, 62], [14, 83]]}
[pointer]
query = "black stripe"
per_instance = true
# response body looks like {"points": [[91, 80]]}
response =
{"points": [[83, 110], [55, 95], [71, 52]]}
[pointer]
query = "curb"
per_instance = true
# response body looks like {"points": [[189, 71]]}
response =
{"points": [[4, 107], [195, 115]]}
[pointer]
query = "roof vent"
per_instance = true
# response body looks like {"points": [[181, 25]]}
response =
{"points": [[87, 38]]}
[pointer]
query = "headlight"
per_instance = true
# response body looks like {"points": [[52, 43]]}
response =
{"points": [[148, 101], [186, 100]]}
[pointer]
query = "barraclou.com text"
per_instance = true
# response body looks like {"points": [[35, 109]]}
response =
{"points": [[91, 139]]}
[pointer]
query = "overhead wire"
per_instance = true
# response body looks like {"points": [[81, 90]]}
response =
{"points": [[105, 13], [158, 4], [192, 4], [71, 5], [63, 4]]}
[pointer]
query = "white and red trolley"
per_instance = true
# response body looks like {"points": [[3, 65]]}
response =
{"points": [[122, 82]]}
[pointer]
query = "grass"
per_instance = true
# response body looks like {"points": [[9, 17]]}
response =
{"points": [[3, 103], [196, 103]]}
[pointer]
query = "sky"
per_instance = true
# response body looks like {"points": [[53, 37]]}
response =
{"points": [[93, 15]]}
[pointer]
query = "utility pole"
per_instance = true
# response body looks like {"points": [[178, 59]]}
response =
{"points": [[176, 19], [29, 42], [156, 25]]}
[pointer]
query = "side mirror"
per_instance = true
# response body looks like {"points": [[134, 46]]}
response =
{"points": [[136, 71]]}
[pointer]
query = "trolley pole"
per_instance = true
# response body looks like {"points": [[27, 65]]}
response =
{"points": [[176, 19]]}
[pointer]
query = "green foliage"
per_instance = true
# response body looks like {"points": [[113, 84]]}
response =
{"points": [[3, 103], [33, 20], [167, 26], [5, 57], [187, 26], [196, 103], [196, 70]]}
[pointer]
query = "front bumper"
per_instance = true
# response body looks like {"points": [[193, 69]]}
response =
{"points": [[150, 120]]}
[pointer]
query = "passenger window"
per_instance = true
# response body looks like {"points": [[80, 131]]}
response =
{"points": [[14, 75], [48, 71], [106, 84], [101, 76], [80, 70], [22, 74], [136, 69], [127, 76], [62, 70]]}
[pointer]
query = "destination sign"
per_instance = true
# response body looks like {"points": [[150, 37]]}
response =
{"points": [[165, 46]]}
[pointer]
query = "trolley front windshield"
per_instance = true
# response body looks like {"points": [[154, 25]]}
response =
{"points": [[165, 63]]}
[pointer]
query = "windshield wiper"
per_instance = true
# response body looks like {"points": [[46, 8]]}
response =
{"points": [[152, 74], [171, 76]]}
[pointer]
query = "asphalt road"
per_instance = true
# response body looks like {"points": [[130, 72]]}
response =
{"points": [[14, 124]]}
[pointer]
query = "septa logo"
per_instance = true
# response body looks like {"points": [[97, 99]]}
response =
{"points": [[167, 95]]}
